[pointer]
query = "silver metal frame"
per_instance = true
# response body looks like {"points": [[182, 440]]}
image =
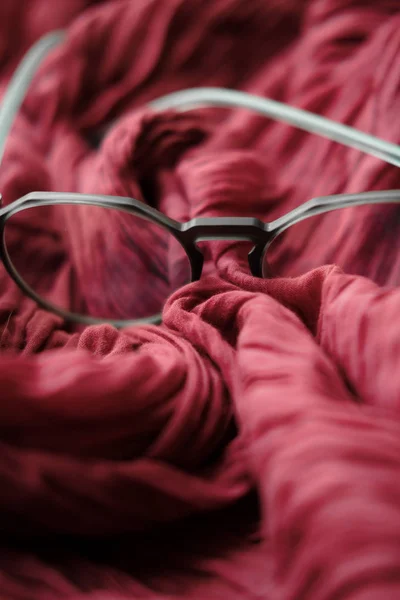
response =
{"points": [[189, 233]]}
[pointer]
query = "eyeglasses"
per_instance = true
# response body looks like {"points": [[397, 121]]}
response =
{"points": [[94, 259]]}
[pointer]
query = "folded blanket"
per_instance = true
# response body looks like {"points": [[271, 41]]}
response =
{"points": [[248, 447]]}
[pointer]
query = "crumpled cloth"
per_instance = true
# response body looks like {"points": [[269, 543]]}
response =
{"points": [[249, 447]]}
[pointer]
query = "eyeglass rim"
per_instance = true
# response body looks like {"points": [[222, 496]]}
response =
{"points": [[188, 233], [39, 199]]}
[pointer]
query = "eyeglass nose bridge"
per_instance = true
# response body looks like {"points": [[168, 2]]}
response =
{"points": [[228, 228]]}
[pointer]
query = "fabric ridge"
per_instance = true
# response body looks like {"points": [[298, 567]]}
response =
{"points": [[248, 447]]}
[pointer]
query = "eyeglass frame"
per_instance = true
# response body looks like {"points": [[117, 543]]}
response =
{"points": [[188, 233]]}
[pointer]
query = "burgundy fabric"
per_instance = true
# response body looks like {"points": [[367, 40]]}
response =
{"points": [[250, 446]]}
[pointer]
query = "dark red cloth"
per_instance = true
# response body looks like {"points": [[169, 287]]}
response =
{"points": [[250, 446]]}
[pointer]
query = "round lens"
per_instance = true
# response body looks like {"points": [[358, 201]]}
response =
{"points": [[99, 262], [362, 240]]}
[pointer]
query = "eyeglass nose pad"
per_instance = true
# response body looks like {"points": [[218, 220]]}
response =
{"points": [[255, 258], [196, 261]]}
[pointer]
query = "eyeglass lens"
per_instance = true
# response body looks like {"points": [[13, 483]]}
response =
{"points": [[99, 262], [347, 237]]}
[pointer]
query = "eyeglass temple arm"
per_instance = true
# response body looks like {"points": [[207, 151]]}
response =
{"points": [[302, 119], [19, 83], [200, 97], [323, 204]]}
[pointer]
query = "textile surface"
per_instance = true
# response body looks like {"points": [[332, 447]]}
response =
{"points": [[249, 447]]}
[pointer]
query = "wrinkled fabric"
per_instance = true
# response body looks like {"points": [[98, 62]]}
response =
{"points": [[249, 447]]}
